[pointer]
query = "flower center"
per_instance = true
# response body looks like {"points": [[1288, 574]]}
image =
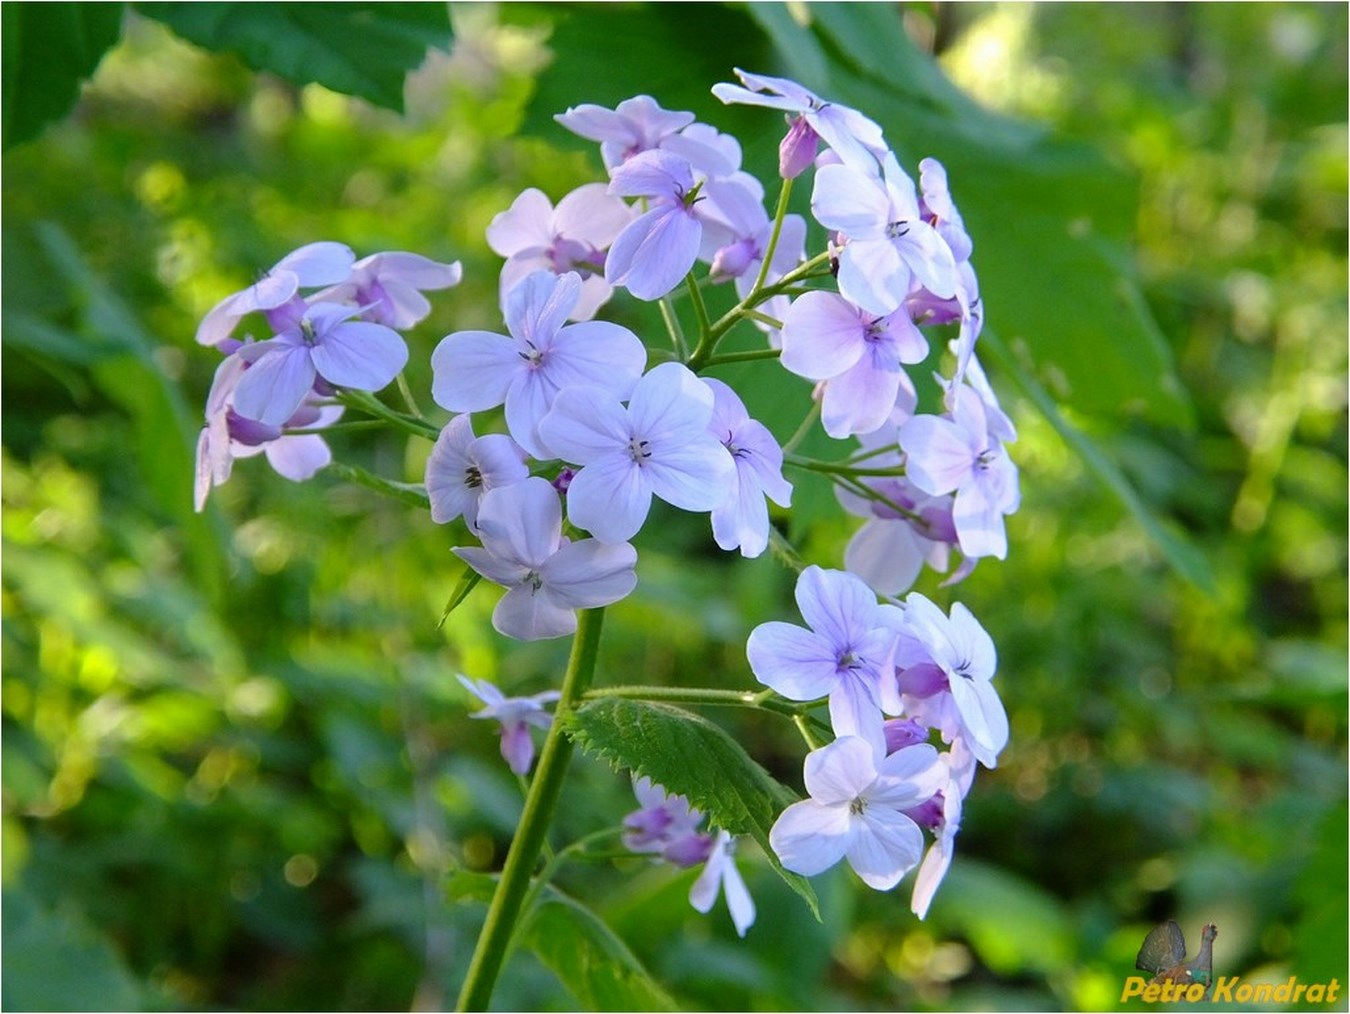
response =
{"points": [[533, 581], [849, 662], [895, 230], [535, 356], [638, 450], [857, 807], [307, 331], [473, 478]]}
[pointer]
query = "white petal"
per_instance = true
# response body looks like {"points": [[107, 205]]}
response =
{"points": [[671, 402], [521, 522], [694, 477], [851, 201], [809, 838], [586, 574], [360, 355], [887, 845], [797, 663], [939, 456], [530, 615], [473, 370], [835, 604], [609, 498], [591, 214], [822, 336], [539, 305], [584, 424], [840, 772]]}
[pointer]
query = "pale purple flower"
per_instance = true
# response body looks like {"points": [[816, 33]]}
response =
{"points": [[666, 825], [533, 235], [324, 343], [462, 468], [388, 287], [516, 715], [856, 811], [712, 153], [742, 520], [662, 822], [846, 653], [312, 265], [859, 356], [852, 135], [548, 577], [658, 445], [720, 874], [228, 436], [890, 247], [938, 859], [960, 455], [656, 250], [937, 655], [740, 211], [636, 125], [478, 370]]}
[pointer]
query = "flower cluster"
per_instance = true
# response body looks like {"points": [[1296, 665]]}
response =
{"points": [[596, 427], [343, 336]]}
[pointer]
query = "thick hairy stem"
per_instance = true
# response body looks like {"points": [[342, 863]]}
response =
{"points": [[542, 800]]}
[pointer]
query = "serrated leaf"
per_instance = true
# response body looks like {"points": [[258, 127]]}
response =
{"points": [[691, 757], [596, 966], [361, 49], [48, 50]]}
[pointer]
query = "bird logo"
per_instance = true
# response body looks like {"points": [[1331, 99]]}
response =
{"points": [[1164, 954]]}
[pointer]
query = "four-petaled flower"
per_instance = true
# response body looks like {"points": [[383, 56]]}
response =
{"points": [[856, 811], [324, 342], [847, 653], [659, 445], [890, 246], [743, 517], [516, 715], [549, 577]]}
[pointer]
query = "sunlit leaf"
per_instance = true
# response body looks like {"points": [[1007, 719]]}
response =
{"points": [[361, 49]]}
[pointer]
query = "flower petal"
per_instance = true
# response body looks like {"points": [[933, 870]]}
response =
{"points": [[278, 380], [822, 336], [809, 837], [652, 255], [521, 522], [585, 423], [589, 573], [609, 498], [530, 615], [360, 355], [798, 663], [473, 370], [887, 845]]}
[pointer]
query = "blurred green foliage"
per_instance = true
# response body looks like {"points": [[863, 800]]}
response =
{"points": [[238, 771]]}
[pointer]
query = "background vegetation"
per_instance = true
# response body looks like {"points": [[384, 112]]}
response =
{"points": [[238, 771]]}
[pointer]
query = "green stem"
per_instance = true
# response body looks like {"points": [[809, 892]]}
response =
{"points": [[366, 402], [803, 429], [839, 468], [672, 321], [542, 800], [406, 391], [742, 357], [700, 307], [779, 214], [701, 695]]}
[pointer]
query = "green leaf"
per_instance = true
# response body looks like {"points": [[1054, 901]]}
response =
{"points": [[467, 582], [1184, 557], [361, 49], [691, 757], [55, 960], [48, 50], [596, 966]]}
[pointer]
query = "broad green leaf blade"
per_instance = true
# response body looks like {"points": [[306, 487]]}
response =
{"points": [[596, 966], [361, 49], [693, 758], [1184, 557], [48, 50]]}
